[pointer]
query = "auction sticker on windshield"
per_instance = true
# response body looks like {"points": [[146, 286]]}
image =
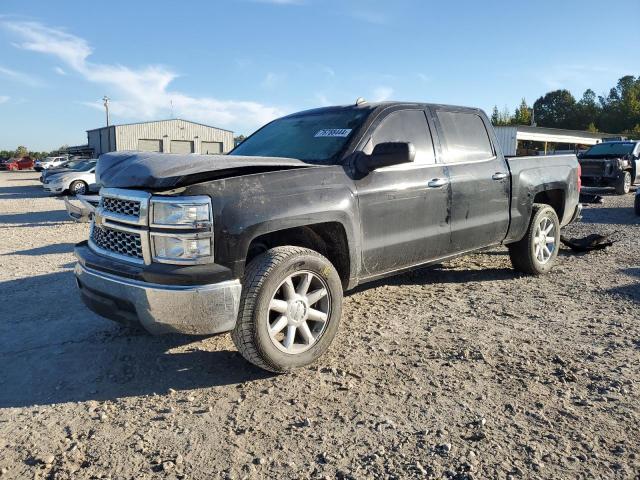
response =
{"points": [[333, 132]]}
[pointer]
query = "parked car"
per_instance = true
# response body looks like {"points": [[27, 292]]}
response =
{"points": [[67, 166], [611, 164], [263, 241], [23, 163], [78, 181], [50, 162]]}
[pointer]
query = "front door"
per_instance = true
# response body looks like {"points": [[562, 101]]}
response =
{"points": [[480, 181], [403, 208]]}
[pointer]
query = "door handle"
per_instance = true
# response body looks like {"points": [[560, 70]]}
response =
{"points": [[499, 176], [437, 182]]}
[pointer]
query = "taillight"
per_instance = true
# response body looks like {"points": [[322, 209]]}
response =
{"points": [[579, 177]]}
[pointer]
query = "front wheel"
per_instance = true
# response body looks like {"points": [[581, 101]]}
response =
{"points": [[290, 309], [536, 253], [78, 187], [623, 183]]}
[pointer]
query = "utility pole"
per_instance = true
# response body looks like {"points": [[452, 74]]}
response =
{"points": [[533, 117], [106, 99]]}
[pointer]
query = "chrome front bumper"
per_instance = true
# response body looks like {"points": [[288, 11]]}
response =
{"points": [[195, 310]]}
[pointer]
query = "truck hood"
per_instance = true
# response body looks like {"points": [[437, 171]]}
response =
{"points": [[165, 170]]}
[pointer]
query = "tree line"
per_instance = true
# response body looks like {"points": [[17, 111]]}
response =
{"points": [[617, 112], [23, 151]]}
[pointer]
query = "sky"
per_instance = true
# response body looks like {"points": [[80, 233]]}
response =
{"points": [[237, 64]]}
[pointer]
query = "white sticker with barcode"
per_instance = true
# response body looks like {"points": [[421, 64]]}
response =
{"points": [[333, 132]]}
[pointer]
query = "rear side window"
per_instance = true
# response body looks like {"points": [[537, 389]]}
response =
{"points": [[465, 137], [406, 126]]}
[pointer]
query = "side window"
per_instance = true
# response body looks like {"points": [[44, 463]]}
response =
{"points": [[405, 126], [465, 137]]}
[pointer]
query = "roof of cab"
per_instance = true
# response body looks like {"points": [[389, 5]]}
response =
{"points": [[380, 106]]}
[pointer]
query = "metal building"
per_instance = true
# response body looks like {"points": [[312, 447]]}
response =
{"points": [[509, 138], [169, 136]]}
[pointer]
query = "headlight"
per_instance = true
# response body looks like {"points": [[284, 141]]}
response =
{"points": [[182, 212], [181, 248]]}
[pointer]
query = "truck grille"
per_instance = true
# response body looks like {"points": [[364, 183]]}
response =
{"points": [[122, 243], [593, 170], [130, 208]]}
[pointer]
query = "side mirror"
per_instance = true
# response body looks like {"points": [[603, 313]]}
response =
{"points": [[385, 155]]}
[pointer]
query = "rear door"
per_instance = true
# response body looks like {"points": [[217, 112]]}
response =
{"points": [[479, 176], [403, 220]]}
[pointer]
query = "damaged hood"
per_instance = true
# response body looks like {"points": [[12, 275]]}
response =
{"points": [[167, 170]]}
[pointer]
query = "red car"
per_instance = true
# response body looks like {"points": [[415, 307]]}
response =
{"points": [[23, 163]]}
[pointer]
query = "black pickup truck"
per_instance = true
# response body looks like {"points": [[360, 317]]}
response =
{"points": [[262, 242], [611, 164]]}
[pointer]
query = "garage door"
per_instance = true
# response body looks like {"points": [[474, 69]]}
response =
{"points": [[146, 145], [210, 148], [181, 146]]}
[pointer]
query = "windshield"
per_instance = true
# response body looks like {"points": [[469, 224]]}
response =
{"points": [[610, 148], [318, 137], [74, 164], [84, 166]]}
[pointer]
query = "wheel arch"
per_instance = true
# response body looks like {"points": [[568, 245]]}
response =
{"points": [[329, 238], [555, 198]]}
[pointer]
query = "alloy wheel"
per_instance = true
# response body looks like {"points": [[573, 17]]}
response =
{"points": [[544, 240], [299, 311]]}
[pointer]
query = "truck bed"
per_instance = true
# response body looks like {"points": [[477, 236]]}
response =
{"points": [[534, 174]]}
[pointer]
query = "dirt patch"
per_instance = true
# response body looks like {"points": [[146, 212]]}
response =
{"points": [[465, 370]]}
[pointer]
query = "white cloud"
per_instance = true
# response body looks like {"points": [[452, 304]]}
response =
{"points": [[271, 80], [322, 99], [138, 93], [4, 99], [578, 76], [59, 71], [424, 77], [329, 71], [20, 77], [380, 94]]}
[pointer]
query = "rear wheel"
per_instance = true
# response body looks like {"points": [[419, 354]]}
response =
{"points": [[289, 310], [78, 187], [623, 183], [536, 253]]}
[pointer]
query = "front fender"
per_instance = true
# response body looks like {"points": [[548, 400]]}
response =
{"points": [[254, 205]]}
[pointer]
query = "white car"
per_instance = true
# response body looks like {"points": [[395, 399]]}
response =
{"points": [[79, 181], [49, 162]]}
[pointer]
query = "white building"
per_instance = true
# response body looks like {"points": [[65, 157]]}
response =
{"points": [[547, 140], [169, 136]]}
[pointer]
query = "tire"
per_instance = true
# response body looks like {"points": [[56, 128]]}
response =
{"points": [[265, 285], [524, 255], [623, 183], [78, 187], [636, 204]]}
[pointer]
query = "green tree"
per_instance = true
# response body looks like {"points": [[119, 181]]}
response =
{"points": [[556, 109], [495, 116], [522, 114], [21, 151]]}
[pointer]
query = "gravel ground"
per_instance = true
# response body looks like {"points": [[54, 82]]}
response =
{"points": [[464, 370]]}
